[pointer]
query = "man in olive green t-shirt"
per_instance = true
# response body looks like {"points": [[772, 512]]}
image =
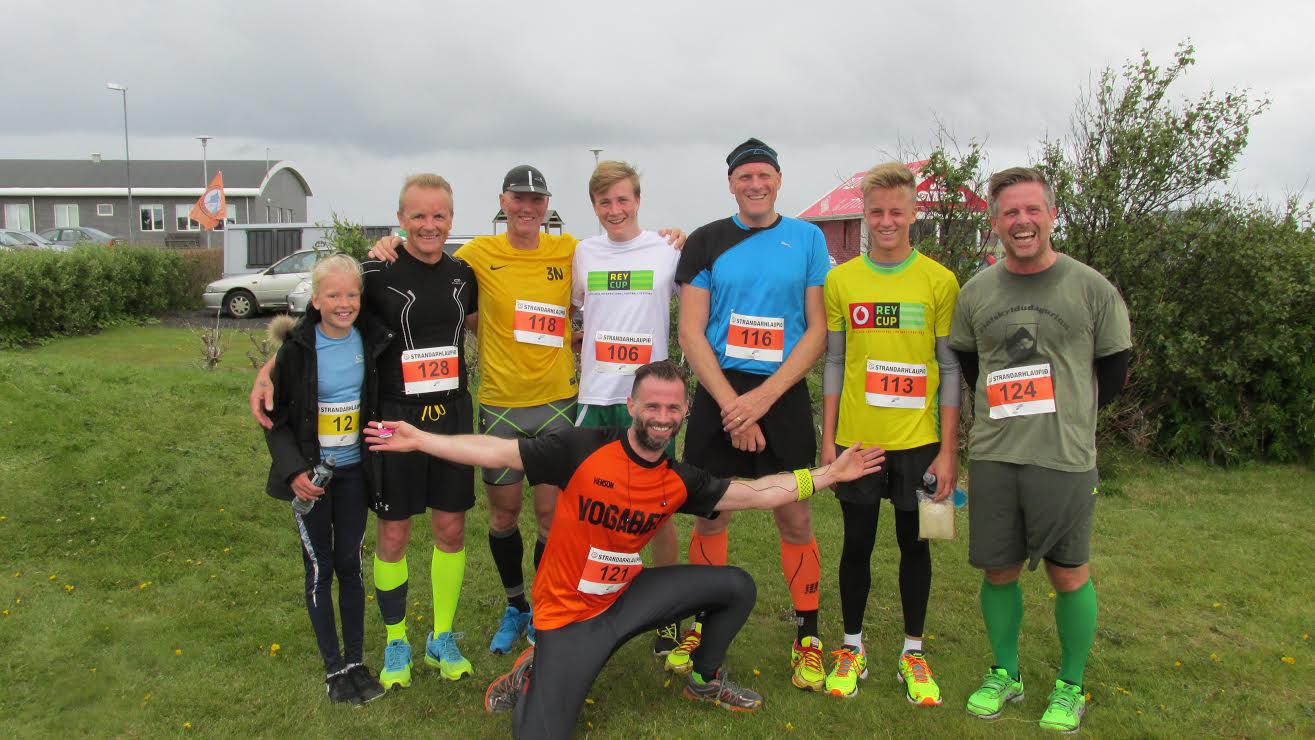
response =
{"points": [[1043, 341]]}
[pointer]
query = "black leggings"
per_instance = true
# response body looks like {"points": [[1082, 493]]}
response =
{"points": [[856, 566], [568, 659], [331, 535]]}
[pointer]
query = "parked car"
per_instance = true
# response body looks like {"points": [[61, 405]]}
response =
{"points": [[70, 235], [17, 239], [267, 290]]}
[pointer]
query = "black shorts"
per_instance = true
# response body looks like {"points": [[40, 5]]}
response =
{"points": [[898, 479], [414, 481], [787, 426]]}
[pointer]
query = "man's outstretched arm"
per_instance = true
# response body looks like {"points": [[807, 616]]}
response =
{"points": [[465, 449]]}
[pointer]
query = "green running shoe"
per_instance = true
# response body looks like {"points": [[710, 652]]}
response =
{"points": [[997, 690], [397, 665], [851, 665], [1067, 705], [919, 687], [441, 652], [681, 659]]}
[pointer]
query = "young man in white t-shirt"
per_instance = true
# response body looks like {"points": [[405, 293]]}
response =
{"points": [[623, 282]]}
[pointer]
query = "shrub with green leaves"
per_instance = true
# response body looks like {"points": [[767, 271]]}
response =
{"points": [[45, 293]]}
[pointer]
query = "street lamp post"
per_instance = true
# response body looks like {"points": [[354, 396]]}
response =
{"points": [[127, 157], [205, 176]]}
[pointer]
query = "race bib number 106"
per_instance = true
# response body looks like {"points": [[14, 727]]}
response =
{"points": [[1020, 391]]}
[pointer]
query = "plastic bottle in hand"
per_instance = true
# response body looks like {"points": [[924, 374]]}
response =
{"points": [[319, 477]]}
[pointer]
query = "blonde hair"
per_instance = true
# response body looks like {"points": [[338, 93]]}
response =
{"points": [[609, 173], [334, 263], [425, 180], [1016, 176], [887, 176]]}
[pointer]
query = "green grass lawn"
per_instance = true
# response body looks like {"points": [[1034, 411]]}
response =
{"points": [[147, 576]]}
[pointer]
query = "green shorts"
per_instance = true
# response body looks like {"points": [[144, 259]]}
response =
{"points": [[615, 416], [1020, 513], [521, 423]]}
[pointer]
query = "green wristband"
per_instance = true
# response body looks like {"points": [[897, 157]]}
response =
{"points": [[804, 478]]}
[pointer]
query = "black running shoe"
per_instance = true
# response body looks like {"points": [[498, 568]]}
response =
{"points": [[367, 686], [340, 689]]}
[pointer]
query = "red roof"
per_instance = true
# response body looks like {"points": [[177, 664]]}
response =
{"points": [[846, 200]]}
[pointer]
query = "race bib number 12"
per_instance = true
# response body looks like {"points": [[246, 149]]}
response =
{"points": [[621, 354], [896, 385], [339, 423], [1020, 391], [540, 323], [606, 572], [430, 369], [756, 338]]}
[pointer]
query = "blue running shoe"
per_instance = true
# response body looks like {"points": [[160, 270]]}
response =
{"points": [[397, 665], [514, 624], [442, 653]]}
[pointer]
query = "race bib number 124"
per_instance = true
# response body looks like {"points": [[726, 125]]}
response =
{"points": [[1021, 391]]}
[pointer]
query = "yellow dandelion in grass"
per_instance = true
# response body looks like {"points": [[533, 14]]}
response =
{"points": [[18, 574], [1177, 664], [1163, 708], [4, 613], [3, 518], [93, 669], [178, 652], [1122, 690], [1216, 605], [52, 578], [666, 684], [757, 673], [143, 585], [590, 725], [589, 701], [1139, 712], [1289, 660], [1305, 635], [221, 510], [1214, 657], [1051, 595], [274, 650], [1088, 696], [187, 725], [930, 636], [187, 561], [227, 550], [789, 727], [68, 588], [18, 599], [369, 597]]}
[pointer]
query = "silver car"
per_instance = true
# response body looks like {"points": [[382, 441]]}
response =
{"points": [[18, 239], [247, 295]]}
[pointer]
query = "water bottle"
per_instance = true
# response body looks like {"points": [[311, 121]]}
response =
{"points": [[319, 477], [925, 491], [960, 498]]}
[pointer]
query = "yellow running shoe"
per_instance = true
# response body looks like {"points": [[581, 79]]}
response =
{"points": [[681, 660], [851, 665], [919, 687], [806, 660]]}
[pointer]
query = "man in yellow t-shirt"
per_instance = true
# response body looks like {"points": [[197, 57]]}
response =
{"points": [[889, 378], [527, 370]]}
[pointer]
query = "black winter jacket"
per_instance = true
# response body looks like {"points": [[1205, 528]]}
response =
{"points": [[293, 440]]}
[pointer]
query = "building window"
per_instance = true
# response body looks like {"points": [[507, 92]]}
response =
{"points": [[66, 214], [104, 209], [152, 218], [183, 220], [18, 216]]}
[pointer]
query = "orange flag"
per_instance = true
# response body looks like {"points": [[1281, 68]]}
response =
{"points": [[211, 207]]}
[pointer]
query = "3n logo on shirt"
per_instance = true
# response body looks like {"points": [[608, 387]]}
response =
{"points": [[555, 273], [601, 281], [887, 316]]}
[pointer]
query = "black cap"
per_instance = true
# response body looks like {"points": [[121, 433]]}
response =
{"points": [[525, 179], [752, 150]]}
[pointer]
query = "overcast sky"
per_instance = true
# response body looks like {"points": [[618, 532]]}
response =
{"points": [[359, 94]]}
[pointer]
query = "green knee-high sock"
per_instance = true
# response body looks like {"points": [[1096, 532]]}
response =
{"points": [[1075, 617], [1002, 610], [390, 585], [446, 570]]}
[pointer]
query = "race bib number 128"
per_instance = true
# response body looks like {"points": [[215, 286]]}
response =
{"points": [[1021, 391], [430, 369]]}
